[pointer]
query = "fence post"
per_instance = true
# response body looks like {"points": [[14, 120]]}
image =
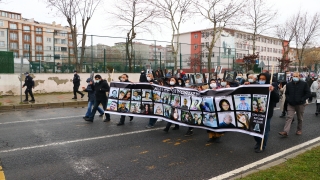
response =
{"points": [[160, 60], [104, 60], [54, 57]]}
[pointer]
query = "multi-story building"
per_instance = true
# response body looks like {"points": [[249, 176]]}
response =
{"points": [[34, 40], [229, 49]]}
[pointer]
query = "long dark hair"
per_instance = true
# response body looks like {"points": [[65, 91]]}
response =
{"points": [[220, 105]]}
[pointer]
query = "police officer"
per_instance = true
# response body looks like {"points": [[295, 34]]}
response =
{"points": [[30, 84], [76, 84]]}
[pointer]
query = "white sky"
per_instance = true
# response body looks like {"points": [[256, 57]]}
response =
{"points": [[99, 25]]}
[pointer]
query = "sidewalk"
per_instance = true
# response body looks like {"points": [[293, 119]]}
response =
{"points": [[54, 100]]}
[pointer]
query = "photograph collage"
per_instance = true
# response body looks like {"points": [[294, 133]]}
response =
{"points": [[232, 111]]}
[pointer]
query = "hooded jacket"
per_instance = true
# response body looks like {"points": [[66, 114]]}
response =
{"points": [[274, 95], [100, 89]]}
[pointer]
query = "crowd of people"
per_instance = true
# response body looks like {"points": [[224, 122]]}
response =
{"points": [[293, 94]]}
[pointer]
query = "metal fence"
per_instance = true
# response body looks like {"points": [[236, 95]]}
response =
{"points": [[52, 52]]}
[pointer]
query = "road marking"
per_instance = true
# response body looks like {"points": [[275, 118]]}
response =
{"points": [[78, 140], [33, 120], [265, 160]]}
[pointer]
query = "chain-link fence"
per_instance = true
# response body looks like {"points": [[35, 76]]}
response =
{"points": [[52, 51]]}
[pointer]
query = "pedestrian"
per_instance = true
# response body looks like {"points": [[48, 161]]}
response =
{"points": [[297, 92], [283, 102], [310, 81], [91, 98], [264, 78], [315, 89], [100, 88], [152, 121], [76, 84], [124, 78], [29, 83]]}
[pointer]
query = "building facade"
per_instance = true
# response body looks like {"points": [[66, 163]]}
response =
{"points": [[34, 40], [229, 49]]}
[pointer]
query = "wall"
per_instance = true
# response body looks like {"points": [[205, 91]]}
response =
{"points": [[50, 83]]}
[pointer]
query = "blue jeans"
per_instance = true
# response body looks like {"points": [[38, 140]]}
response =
{"points": [[266, 135], [90, 104]]}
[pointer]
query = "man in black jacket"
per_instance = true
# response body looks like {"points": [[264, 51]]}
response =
{"points": [[264, 78], [150, 79], [297, 92], [76, 84], [124, 78], [100, 87], [30, 85]]}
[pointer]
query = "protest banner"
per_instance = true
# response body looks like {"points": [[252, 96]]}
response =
{"points": [[242, 109]]}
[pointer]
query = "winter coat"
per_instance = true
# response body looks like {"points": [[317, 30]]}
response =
{"points": [[297, 92], [100, 90], [315, 88], [90, 90], [28, 82], [76, 80]]}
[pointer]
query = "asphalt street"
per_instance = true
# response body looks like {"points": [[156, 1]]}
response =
{"points": [[59, 144]]}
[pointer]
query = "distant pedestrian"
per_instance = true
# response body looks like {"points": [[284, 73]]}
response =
{"points": [[100, 88], [76, 84], [29, 83], [91, 98], [297, 92]]}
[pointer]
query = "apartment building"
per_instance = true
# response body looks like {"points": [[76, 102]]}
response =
{"points": [[34, 40], [229, 49]]}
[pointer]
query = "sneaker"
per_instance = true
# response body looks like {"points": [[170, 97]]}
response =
{"points": [[316, 114], [283, 115], [26, 100], [189, 133], [120, 124], [166, 130], [283, 134], [298, 133], [106, 120], [100, 115], [259, 150], [131, 118], [32, 100], [88, 119], [74, 98], [149, 127]]}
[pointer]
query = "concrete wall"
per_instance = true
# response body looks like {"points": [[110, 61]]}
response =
{"points": [[50, 83]]}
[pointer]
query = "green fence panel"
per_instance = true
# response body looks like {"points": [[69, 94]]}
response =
{"points": [[6, 62]]}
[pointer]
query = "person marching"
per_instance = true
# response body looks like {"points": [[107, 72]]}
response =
{"points": [[29, 83], [124, 78], [315, 88], [76, 84], [152, 121], [91, 98]]}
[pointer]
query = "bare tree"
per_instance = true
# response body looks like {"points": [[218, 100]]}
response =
{"points": [[177, 12], [257, 18], [312, 57], [307, 29], [219, 13], [133, 16], [73, 10]]}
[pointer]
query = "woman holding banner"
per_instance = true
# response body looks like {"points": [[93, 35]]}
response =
{"points": [[172, 83]]}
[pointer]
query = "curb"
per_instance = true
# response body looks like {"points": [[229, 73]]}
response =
{"points": [[44, 105]]}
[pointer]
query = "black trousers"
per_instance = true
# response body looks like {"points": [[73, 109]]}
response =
{"points": [[123, 118], [169, 125], [76, 90], [318, 108], [95, 107], [29, 91]]}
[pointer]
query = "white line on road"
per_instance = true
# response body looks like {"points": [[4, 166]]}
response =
{"points": [[33, 120], [78, 140], [265, 160]]}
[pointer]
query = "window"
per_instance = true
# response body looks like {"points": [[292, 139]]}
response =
{"points": [[13, 26], [39, 57], [1, 43], [13, 36], [48, 48], [71, 51], [26, 38], [38, 30], [207, 44], [4, 14], [70, 43], [195, 36], [13, 45], [39, 39], [1, 23], [1, 33], [38, 47], [207, 34], [26, 46], [206, 54], [195, 46], [26, 55], [15, 54], [48, 39], [64, 49], [56, 41], [26, 28], [57, 48], [63, 41], [202, 54]]}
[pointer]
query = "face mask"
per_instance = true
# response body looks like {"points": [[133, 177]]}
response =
{"points": [[180, 84], [27, 74], [148, 78], [75, 73], [250, 80], [262, 82], [172, 83], [223, 83], [213, 85], [97, 81], [187, 85], [238, 77], [295, 79], [122, 79], [302, 79]]}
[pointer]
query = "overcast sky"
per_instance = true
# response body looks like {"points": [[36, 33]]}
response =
{"points": [[99, 25]]}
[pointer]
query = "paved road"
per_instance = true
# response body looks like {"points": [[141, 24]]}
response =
{"points": [[58, 144]]}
